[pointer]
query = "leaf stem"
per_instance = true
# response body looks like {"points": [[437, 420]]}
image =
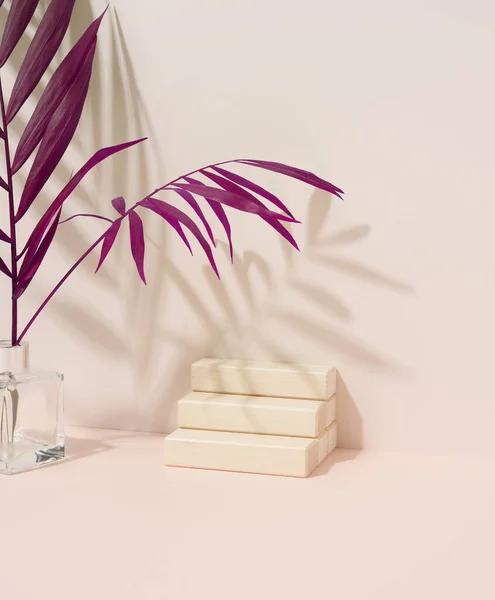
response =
{"points": [[13, 242], [99, 240], [85, 215], [59, 284]]}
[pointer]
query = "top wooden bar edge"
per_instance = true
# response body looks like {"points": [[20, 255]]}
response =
{"points": [[283, 380]]}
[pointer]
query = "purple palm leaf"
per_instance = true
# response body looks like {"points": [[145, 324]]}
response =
{"points": [[229, 199], [300, 174], [167, 211], [119, 205], [136, 230], [108, 242], [57, 137], [220, 214], [51, 129], [257, 189], [193, 203], [45, 44], [32, 263], [57, 89], [230, 186], [100, 156], [20, 14]]}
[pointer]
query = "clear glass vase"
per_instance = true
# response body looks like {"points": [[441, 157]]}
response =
{"points": [[31, 413]]}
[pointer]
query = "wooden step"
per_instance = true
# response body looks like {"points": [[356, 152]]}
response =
{"points": [[327, 441], [255, 414], [332, 431], [245, 452], [285, 380]]}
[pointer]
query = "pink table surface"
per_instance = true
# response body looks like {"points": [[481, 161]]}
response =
{"points": [[114, 523]]}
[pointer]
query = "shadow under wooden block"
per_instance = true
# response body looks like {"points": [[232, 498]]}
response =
{"points": [[349, 418], [334, 459]]}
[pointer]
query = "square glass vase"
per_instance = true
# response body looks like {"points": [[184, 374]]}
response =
{"points": [[31, 413]]}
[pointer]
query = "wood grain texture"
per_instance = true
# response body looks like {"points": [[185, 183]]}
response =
{"points": [[322, 440], [255, 414], [327, 441], [286, 380], [332, 431], [245, 452]]}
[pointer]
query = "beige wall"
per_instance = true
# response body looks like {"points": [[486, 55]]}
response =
{"points": [[394, 102]]}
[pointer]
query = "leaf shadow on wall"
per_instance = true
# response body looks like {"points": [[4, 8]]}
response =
{"points": [[69, 239], [82, 16], [119, 97], [324, 329], [130, 175]]}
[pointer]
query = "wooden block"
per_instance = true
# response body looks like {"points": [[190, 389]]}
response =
{"points": [[332, 436], [331, 406], [327, 441], [322, 446], [255, 414], [284, 380], [246, 452]]}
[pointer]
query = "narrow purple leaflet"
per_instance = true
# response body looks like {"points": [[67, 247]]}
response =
{"points": [[58, 136], [300, 174], [4, 269], [108, 242], [98, 157], [233, 187], [178, 228], [233, 200], [119, 205], [222, 217], [136, 231], [56, 90], [31, 265], [166, 210], [257, 189], [33, 248], [20, 14], [220, 214], [46, 42], [3, 184], [4, 237], [193, 203]]}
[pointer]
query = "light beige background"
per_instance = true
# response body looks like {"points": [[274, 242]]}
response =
{"points": [[393, 101], [375, 526]]}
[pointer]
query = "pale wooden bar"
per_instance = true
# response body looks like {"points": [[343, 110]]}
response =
{"points": [[287, 380]]}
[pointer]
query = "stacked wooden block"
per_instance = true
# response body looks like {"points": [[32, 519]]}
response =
{"points": [[272, 418]]}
